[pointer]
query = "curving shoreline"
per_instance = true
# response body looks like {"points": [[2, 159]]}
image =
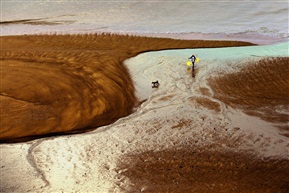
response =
{"points": [[57, 84]]}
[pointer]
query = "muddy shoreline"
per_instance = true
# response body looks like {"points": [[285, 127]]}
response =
{"points": [[55, 85], [48, 79]]}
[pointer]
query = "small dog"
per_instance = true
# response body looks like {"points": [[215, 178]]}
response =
{"points": [[155, 84]]}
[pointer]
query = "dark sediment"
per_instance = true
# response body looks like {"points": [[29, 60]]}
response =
{"points": [[193, 170], [259, 89]]}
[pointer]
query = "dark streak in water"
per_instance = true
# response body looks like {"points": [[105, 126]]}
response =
{"points": [[36, 22]]}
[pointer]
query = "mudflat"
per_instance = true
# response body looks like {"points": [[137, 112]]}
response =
{"points": [[58, 84], [62, 84]]}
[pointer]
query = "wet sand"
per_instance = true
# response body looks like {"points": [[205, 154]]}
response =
{"points": [[63, 84], [191, 169], [260, 89], [56, 84]]}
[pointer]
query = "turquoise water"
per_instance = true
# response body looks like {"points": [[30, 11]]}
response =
{"points": [[231, 53], [236, 53], [169, 66]]}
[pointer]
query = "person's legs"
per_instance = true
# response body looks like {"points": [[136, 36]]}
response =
{"points": [[193, 69]]}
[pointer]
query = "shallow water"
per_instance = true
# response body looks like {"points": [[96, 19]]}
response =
{"points": [[182, 19], [210, 58]]}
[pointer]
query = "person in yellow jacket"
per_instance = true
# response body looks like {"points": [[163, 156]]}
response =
{"points": [[193, 59]]}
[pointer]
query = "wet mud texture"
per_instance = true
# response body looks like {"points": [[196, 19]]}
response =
{"points": [[181, 170], [59, 84], [260, 89]]}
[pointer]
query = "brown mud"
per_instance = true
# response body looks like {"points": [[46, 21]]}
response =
{"points": [[260, 89], [59, 84], [186, 169]]}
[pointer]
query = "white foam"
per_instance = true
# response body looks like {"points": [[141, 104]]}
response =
{"points": [[230, 18]]}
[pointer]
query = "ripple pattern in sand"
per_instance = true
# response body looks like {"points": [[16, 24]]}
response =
{"points": [[46, 92]]}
